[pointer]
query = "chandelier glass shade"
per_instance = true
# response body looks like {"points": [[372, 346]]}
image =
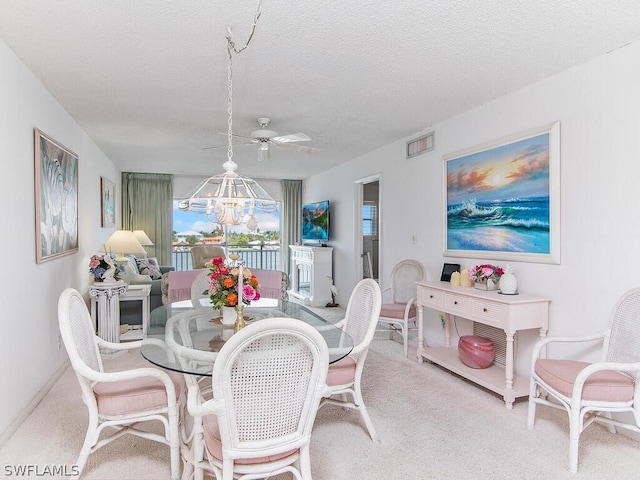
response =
{"points": [[229, 198]]}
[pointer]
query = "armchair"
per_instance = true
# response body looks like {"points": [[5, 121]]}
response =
{"points": [[591, 392], [201, 254]]}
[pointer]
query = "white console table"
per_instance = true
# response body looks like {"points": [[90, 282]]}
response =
{"points": [[506, 312], [311, 273]]}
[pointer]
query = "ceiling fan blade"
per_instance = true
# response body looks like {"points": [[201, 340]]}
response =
{"points": [[234, 135], [294, 137], [297, 148], [225, 146]]}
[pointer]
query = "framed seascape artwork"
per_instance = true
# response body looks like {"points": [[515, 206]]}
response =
{"points": [[108, 202], [56, 198], [503, 199]]}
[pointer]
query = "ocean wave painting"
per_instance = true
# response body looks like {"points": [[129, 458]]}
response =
{"points": [[498, 199]]}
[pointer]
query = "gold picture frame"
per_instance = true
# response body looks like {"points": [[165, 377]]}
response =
{"points": [[56, 198]]}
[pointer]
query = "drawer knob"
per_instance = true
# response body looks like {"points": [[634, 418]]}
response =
{"points": [[455, 302], [430, 296], [485, 309]]}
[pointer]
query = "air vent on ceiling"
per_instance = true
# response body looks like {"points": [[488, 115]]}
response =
{"points": [[420, 145]]}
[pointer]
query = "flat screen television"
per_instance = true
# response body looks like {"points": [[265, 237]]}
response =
{"points": [[315, 221]]}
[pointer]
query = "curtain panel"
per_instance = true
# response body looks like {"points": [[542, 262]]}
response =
{"points": [[147, 204], [291, 232]]}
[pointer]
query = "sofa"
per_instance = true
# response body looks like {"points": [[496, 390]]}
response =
{"points": [[141, 271]]}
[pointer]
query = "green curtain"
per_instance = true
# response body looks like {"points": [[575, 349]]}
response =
{"points": [[147, 204], [291, 220]]}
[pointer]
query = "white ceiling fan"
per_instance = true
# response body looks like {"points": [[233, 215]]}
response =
{"points": [[264, 138]]}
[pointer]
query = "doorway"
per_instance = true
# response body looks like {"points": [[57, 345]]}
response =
{"points": [[368, 226]]}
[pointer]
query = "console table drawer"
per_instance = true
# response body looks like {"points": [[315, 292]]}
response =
{"points": [[433, 298], [489, 313], [457, 304]]}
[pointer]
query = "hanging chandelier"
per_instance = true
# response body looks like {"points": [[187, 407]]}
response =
{"points": [[229, 198]]}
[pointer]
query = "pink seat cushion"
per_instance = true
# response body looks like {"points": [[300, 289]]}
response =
{"points": [[136, 395], [214, 445], [396, 310], [605, 385], [342, 372]]}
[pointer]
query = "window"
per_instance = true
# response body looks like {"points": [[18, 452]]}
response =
{"points": [[369, 219], [259, 249]]}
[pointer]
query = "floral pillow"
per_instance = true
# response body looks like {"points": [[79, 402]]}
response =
{"points": [[149, 266]]}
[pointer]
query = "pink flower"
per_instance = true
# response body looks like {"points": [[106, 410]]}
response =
{"points": [[248, 293]]}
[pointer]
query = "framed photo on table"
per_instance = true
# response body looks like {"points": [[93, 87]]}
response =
{"points": [[108, 202], [503, 199], [56, 198]]}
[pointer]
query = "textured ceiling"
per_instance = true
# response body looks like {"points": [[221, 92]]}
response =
{"points": [[147, 79]]}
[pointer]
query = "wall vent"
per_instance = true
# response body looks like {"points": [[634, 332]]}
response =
{"points": [[420, 145]]}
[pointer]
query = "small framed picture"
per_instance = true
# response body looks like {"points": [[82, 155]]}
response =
{"points": [[108, 202], [447, 270]]}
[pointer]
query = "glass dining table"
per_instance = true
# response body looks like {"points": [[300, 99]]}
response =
{"points": [[187, 336]]}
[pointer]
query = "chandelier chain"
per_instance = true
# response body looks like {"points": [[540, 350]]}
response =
{"points": [[231, 49]]}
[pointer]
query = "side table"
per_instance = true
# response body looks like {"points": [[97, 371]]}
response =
{"points": [[142, 294], [106, 296]]}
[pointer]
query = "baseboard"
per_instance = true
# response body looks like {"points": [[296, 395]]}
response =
{"points": [[26, 411]]}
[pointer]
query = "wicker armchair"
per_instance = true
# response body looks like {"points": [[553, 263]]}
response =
{"points": [[117, 400], [359, 323], [201, 254], [268, 380], [591, 392], [400, 306]]}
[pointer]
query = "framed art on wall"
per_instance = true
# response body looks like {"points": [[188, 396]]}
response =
{"points": [[503, 199], [108, 202], [56, 198]]}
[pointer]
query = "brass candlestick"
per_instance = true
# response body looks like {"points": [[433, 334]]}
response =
{"points": [[239, 323]]}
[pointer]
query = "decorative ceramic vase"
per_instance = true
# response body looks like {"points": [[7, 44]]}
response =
{"points": [[508, 281], [228, 315], [455, 279]]}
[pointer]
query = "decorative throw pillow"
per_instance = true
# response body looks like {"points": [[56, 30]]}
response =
{"points": [[149, 266]]}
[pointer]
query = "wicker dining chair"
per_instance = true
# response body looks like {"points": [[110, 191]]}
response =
{"points": [[117, 400], [267, 383], [345, 375], [399, 306], [592, 392]]}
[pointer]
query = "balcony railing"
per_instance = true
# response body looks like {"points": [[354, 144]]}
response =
{"points": [[262, 257]]}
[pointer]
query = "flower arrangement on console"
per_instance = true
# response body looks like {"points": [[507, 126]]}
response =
{"points": [[223, 283], [482, 273], [104, 267]]}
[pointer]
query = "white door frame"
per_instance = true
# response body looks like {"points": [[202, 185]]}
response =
{"points": [[357, 224]]}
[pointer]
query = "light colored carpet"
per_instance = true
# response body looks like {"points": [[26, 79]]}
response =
{"points": [[432, 425]]}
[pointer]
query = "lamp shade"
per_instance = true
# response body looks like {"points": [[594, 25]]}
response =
{"points": [[122, 241], [142, 237]]}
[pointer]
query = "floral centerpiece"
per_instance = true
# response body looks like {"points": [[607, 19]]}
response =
{"points": [[223, 283], [104, 268], [486, 276]]}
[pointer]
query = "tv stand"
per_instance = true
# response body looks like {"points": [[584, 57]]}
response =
{"points": [[311, 275]]}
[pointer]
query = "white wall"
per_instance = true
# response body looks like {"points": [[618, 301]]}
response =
{"points": [[597, 105], [29, 354]]}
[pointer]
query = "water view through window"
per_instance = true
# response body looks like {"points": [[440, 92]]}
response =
{"points": [[259, 249]]}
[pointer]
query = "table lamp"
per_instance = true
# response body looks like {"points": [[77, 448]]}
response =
{"points": [[121, 242], [142, 238]]}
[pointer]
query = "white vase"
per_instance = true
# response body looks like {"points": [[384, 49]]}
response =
{"points": [[508, 282], [228, 315]]}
